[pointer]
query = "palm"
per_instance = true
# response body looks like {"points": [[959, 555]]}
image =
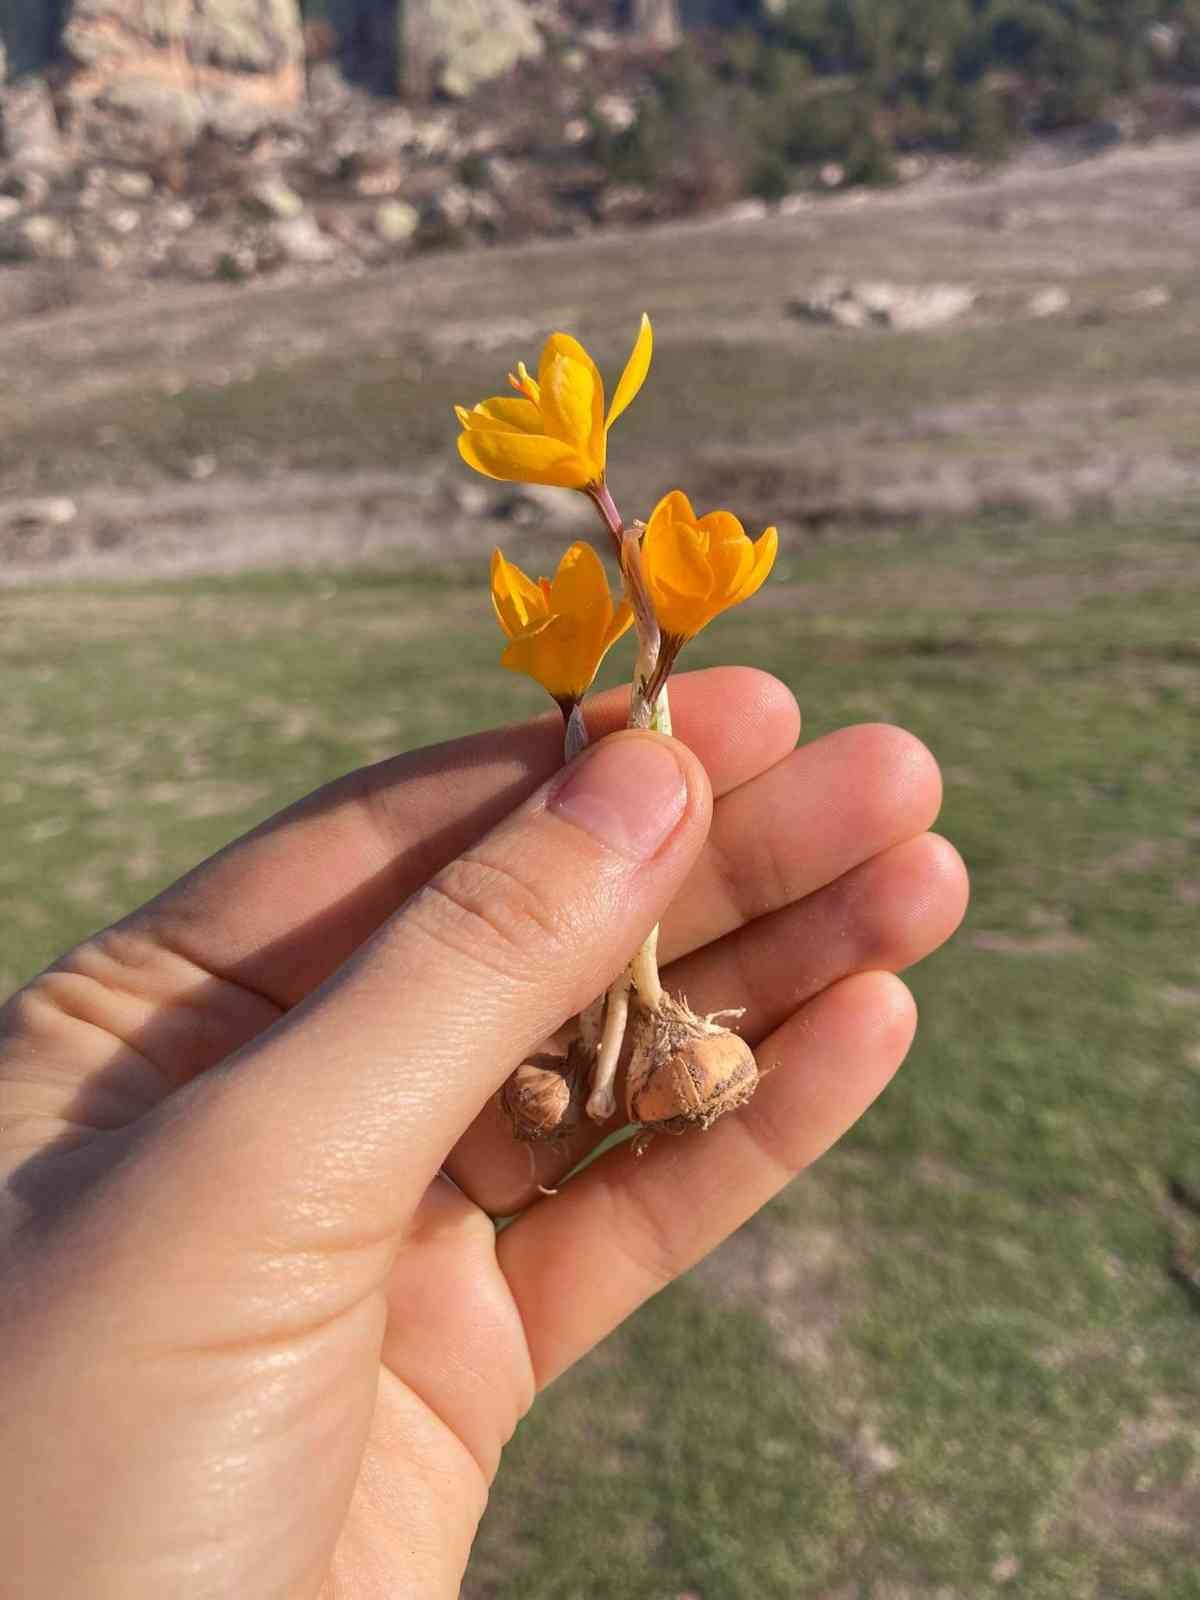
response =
{"points": [[334, 1361]]}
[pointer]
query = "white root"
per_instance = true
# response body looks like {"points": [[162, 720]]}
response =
{"points": [[602, 1102]]}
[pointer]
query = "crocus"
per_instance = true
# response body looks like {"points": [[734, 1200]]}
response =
{"points": [[697, 567], [555, 430], [560, 629]]}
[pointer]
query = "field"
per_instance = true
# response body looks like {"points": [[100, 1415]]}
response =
{"points": [[958, 1358]]}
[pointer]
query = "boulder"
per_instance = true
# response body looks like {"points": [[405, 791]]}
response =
{"points": [[451, 47], [187, 62], [885, 305]]}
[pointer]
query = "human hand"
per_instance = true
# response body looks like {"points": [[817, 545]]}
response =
{"points": [[252, 1342]]}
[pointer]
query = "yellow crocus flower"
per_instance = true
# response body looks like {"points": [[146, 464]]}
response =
{"points": [[560, 630], [697, 567], [556, 430]]}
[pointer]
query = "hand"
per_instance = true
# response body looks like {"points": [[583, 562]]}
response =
{"points": [[253, 1342]]}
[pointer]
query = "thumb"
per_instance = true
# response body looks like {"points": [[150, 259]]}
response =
{"points": [[359, 1094]]}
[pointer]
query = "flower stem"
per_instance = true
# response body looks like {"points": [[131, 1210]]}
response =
{"points": [[647, 709]]}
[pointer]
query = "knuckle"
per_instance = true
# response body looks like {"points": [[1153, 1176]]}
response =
{"points": [[490, 913]]}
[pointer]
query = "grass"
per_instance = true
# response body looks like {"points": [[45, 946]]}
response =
{"points": [[952, 1360]]}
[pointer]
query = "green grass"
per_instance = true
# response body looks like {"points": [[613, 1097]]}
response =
{"points": [[949, 1362]]}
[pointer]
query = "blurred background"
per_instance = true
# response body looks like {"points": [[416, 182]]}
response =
{"points": [[923, 275]]}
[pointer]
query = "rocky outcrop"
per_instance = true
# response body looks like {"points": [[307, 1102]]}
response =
{"points": [[184, 63], [453, 46]]}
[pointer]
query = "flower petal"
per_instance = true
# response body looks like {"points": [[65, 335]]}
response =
{"points": [[523, 458], [580, 587], [621, 623], [568, 391], [634, 375], [518, 602], [505, 413], [730, 553], [673, 507], [766, 547], [547, 655], [563, 346]]}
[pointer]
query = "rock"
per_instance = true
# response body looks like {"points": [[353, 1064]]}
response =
{"points": [[30, 188], [616, 111], [123, 220], [656, 22], [103, 253], [27, 516], [454, 46], [471, 498], [184, 63], [396, 222], [300, 240], [1049, 302], [453, 206], [1152, 299], [887, 305], [272, 199], [376, 181], [131, 185], [832, 175], [10, 207], [29, 136], [37, 238]]}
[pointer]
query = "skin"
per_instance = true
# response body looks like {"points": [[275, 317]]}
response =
{"points": [[252, 1340]]}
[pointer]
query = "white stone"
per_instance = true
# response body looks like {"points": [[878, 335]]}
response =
{"points": [[1049, 302], [396, 221]]}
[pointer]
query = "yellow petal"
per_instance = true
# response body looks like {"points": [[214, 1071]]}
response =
{"points": [[523, 458], [505, 413], [635, 371], [568, 391], [518, 602], [561, 346]]}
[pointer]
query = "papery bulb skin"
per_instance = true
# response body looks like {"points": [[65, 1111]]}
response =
{"points": [[686, 1071]]}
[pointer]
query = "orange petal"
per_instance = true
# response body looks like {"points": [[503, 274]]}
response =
{"points": [[581, 586], [765, 547], [545, 655], [621, 623]]}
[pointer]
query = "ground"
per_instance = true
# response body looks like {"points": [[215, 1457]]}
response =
{"points": [[958, 1358]]}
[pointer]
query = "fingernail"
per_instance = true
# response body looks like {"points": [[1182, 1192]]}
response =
{"points": [[627, 793]]}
